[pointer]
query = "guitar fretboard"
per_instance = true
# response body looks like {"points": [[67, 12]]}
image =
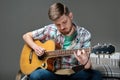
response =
{"points": [[58, 53]]}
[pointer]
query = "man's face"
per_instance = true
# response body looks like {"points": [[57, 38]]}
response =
{"points": [[64, 24]]}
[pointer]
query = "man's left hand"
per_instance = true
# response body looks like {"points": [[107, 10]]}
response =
{"points": [[81, 56]]}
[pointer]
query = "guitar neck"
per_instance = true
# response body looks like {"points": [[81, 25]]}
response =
{"points": [[58, 53]]}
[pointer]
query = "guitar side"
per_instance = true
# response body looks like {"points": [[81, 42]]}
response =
{"points": [[28, 66]]}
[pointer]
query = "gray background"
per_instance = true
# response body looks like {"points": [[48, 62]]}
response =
{"points": [[100, 17]]}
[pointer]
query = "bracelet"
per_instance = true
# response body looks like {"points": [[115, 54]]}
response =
{"points": [[87, 60]]}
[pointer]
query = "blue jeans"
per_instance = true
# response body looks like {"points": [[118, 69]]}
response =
{"points": [[42, 74]]}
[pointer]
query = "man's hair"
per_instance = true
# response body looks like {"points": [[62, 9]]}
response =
{"points": [[57, 10]]}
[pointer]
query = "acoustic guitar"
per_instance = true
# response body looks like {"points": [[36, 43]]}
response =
{"points": [[29, 61]]}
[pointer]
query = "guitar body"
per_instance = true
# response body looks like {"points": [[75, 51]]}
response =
{"points": [[28, 66]]}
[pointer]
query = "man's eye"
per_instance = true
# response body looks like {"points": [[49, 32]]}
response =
{"points": [[64, 22]]}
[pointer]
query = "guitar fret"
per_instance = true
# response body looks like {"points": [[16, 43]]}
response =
{"points": [[57, 53]]}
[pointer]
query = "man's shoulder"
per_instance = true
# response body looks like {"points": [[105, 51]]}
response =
{"points": [[82, 29]]}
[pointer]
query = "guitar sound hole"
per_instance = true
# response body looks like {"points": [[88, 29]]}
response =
{"points": [[40, 57]]}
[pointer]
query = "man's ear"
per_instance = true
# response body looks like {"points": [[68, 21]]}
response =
{"points": [[71, 15]]}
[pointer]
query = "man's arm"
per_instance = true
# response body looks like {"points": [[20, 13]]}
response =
{"points": [[88, 65], [30, 41]]}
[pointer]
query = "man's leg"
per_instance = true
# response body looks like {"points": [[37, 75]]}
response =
{"points": [[86, 75], [96, 75], [41, 74]]}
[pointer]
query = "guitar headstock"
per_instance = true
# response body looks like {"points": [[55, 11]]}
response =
{"points": [[103, 49]]}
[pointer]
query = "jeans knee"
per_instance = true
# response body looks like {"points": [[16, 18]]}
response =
{"points": [[40, 74], [33, 77], [97, 75], [36, 74]]}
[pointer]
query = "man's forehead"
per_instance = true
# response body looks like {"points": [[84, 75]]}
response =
{"points": [[61, 19]]}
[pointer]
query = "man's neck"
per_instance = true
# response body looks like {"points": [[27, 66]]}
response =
{"points": [[72, 31]]}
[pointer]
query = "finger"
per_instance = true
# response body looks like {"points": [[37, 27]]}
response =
{"points": [[83, 51], [75, 54], [77, 57], [43, 49], [78, 53], [39, 52]]}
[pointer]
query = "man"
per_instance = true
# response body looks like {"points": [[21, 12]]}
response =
{"points": [[69, 36]]}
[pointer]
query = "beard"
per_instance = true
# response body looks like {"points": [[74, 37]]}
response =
{"points": [[66, 31]]}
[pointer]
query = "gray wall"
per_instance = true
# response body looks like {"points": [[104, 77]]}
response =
{"points": [[100, 17]]}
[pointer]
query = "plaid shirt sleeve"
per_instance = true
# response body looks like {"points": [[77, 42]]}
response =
{"points": [[87, 39], [83, 38], [45, 33]]}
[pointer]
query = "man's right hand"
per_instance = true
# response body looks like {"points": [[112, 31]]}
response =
{"points": [[39, 50], [29, 40]]}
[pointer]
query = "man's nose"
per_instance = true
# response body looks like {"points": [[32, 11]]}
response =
{"points": [[62, 26]]}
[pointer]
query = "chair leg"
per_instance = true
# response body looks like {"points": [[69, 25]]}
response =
{"points": [[21, 76], [25, 78], [18, 76]]}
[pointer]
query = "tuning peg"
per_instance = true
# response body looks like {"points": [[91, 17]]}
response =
{"points": [[98, 44], [105, 44], [107, 52], [97, 52], [102, 46], [109, 44], [102, 52]]}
